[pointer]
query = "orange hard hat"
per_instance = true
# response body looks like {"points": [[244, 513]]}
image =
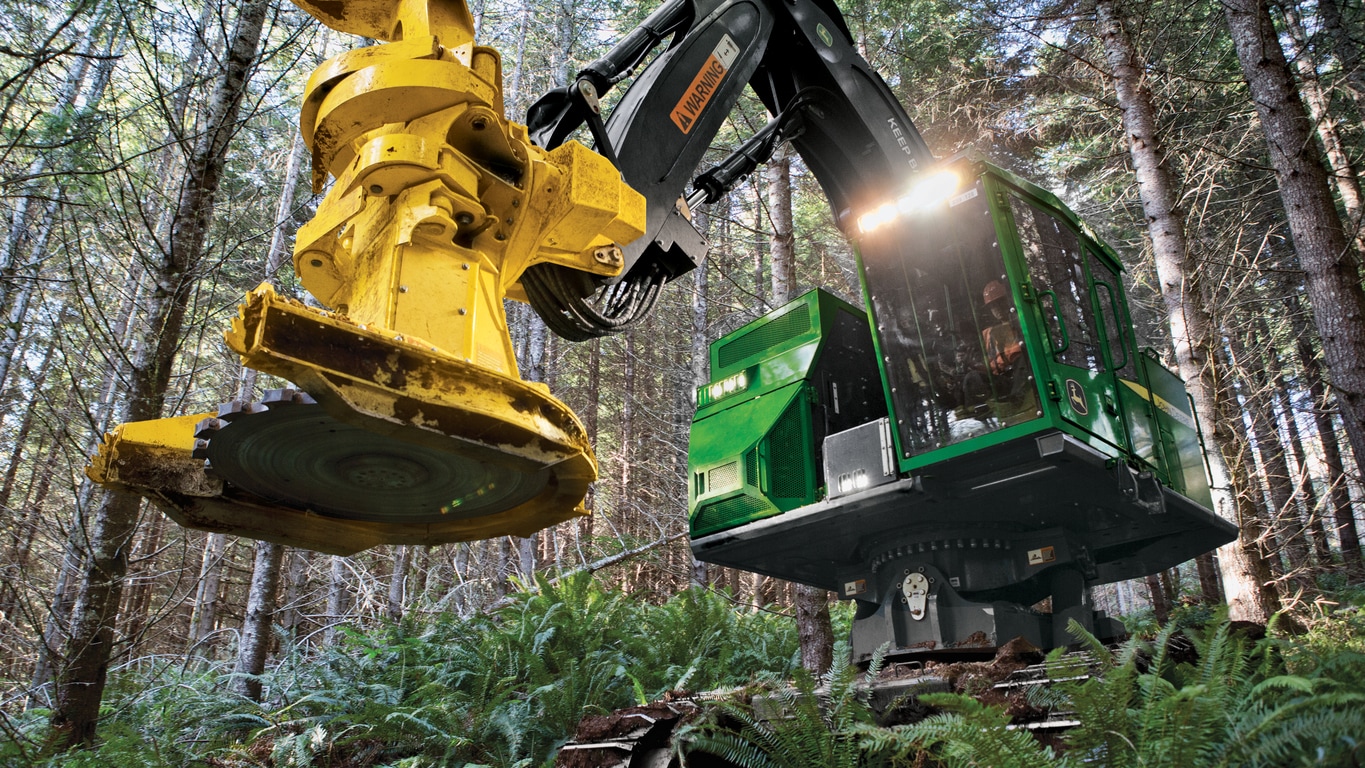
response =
{"points": [[994, 291]]}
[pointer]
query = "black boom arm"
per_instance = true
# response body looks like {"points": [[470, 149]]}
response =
{"points": [[798, 57]]}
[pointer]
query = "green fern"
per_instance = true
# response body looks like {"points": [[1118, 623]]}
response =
{"points": [[822, 721], [968, 733]]}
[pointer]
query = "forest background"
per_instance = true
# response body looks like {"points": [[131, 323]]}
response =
{"points": [[151, 172]]}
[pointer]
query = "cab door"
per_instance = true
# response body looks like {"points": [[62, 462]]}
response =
{"points": [[1081, 373], [1131, 403]]}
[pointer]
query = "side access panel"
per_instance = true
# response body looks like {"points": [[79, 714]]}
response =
{"points": [[779, 385]]}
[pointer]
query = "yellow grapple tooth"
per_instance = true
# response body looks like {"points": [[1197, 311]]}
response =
{"points": [[102, 463]]}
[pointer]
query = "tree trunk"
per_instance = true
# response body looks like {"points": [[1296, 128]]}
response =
{"points": [[338, 597], [398, 581], [534, 368], [29, 230], [141, 577], [627, 455], [814, 631], [1343, 176], [513, 92], [1285, 534], [458, 584], [204, 618], [260, 607], [15, 315], [592, 395], [1338, 491], [26, 427], [1192, 329], [501, 585], [254, 645], [700, 369], [1210, 591], [1264, 600], [1332, 273], [781, 239], [290, 616], [13, 573], [56, 629], [1305, 496], [1346, 47], [760, 248], [90, 646]]}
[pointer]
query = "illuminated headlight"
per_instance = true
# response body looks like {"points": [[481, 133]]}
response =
{"points": [[723, 388], [853, 481], [874, 220], [927, 193]]}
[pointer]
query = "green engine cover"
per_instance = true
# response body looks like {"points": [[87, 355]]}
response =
{"points": [[779, 385]]}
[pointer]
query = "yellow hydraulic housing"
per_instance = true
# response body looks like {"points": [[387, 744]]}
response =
{"points": [[410, 423]]}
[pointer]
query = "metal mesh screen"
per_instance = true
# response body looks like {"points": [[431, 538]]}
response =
{"points": [[794, 323], [724, 514], [786, 467], [723, 478]]}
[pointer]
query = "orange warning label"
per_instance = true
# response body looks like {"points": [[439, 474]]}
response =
{"points": [[704, 85]]}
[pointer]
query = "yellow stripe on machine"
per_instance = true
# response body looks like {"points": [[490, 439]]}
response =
{"points": [[1166, 406]]}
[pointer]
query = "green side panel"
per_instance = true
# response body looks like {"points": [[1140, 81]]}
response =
{"points": [[807, 319], [752, 460], [1180, 444], [789, 326], [737, 510], [762, 339], [1087, 401], [729, 432], [785, 451], [1144, 430]]}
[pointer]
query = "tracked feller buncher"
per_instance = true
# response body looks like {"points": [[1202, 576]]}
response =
{"points": [[981, 435]]}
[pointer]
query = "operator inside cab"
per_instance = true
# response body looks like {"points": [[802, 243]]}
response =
{"points": [[952, 318]]}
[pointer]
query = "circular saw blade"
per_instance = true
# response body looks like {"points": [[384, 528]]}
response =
{"points": [[289, 450]]}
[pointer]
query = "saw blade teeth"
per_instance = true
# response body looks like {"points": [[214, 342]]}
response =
{"points": [[287, 396], [229, 410], [277, 396], [236, 408], [205, 428], [201, 449]]}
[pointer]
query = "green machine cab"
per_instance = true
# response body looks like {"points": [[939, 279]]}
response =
{"points": [[1023, 447]]}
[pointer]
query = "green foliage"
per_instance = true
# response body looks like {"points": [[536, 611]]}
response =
{"points": [[816, 721], [507, 689], [969, 733], [1233, 705], [504, 689], [1192, 696]]}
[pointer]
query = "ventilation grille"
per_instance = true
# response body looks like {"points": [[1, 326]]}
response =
{"points": [[723, 478], [792, 324], [729, 513], [751, 466], [786, 453]]}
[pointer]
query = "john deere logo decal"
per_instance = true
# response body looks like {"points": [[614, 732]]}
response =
{"points": [[824, 34], [704, 85], [1075, 395]]}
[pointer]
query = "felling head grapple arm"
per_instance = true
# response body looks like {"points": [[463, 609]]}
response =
{"points": [[798, 57]]}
